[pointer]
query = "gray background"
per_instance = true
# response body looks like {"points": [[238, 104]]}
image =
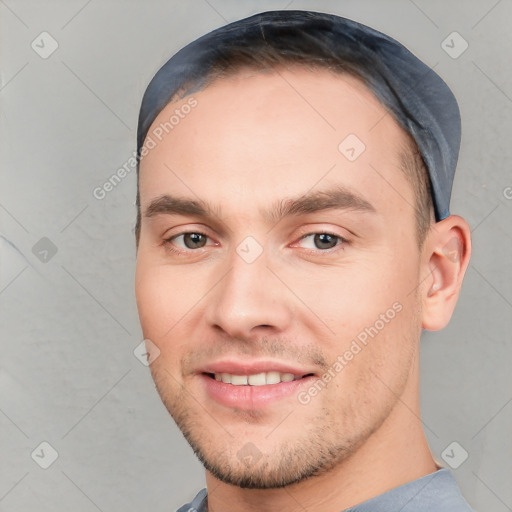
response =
{"points": [[69, 325]]}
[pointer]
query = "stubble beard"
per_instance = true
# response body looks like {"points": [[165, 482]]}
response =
{"points": [[312, 450]]}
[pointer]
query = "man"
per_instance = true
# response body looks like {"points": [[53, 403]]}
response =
{"points": [[294, 238]]}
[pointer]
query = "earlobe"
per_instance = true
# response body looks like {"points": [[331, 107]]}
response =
{"points": [[446, 256]]}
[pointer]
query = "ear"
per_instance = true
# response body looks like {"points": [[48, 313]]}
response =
{"points": [[445, 258]]}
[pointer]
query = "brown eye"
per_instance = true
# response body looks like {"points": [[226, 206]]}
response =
{"points": [[325, 241], [194, 240]]}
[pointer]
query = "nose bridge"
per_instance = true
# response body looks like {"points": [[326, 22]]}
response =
{"points": [[249, 295]]}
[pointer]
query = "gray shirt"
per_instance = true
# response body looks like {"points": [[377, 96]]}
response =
{"points": [[437, 492]]}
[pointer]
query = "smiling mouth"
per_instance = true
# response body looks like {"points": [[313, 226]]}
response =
{"points": [[257, 379]]}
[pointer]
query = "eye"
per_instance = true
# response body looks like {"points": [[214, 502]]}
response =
{"points": [[186, 241], [322, 241], [193, 240]]}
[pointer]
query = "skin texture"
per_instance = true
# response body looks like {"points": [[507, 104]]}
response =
{"points": [[254, 140]]}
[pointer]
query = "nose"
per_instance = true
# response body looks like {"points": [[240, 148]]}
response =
{"points": [[249, 301]]}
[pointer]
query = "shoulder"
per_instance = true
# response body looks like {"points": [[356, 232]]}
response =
{"points": [[441, 492], [198, 504], [437, 492]]}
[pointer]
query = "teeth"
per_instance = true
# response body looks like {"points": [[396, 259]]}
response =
{"points": [[239, 380], [273, 377], [258, 379]]}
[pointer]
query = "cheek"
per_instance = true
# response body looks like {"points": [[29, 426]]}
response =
{"points": [[167, 307], [371, 308], [352, 296], [371, 381], [156, 300]]}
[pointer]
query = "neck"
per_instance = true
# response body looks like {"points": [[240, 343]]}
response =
{"points": [[395, 454]]}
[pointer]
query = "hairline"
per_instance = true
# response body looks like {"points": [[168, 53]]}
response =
{"points": [[409, 154]]}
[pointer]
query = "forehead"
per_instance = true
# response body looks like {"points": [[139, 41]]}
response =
{"points": [[269, 134]]}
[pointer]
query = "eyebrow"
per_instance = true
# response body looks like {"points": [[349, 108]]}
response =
{"points": [[339, 198]]}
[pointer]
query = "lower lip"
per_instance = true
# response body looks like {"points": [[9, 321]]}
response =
{"points": [[252, 397]]}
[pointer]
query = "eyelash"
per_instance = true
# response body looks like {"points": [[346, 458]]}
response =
{"points": [[339, 246]]}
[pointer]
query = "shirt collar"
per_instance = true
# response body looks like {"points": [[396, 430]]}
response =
{"points": [[437, 491]]}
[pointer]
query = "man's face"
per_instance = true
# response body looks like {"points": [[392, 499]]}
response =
{"points": [[255, 287]]}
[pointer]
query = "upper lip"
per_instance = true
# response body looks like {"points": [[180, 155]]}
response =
{"points": [[253, 367]]}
